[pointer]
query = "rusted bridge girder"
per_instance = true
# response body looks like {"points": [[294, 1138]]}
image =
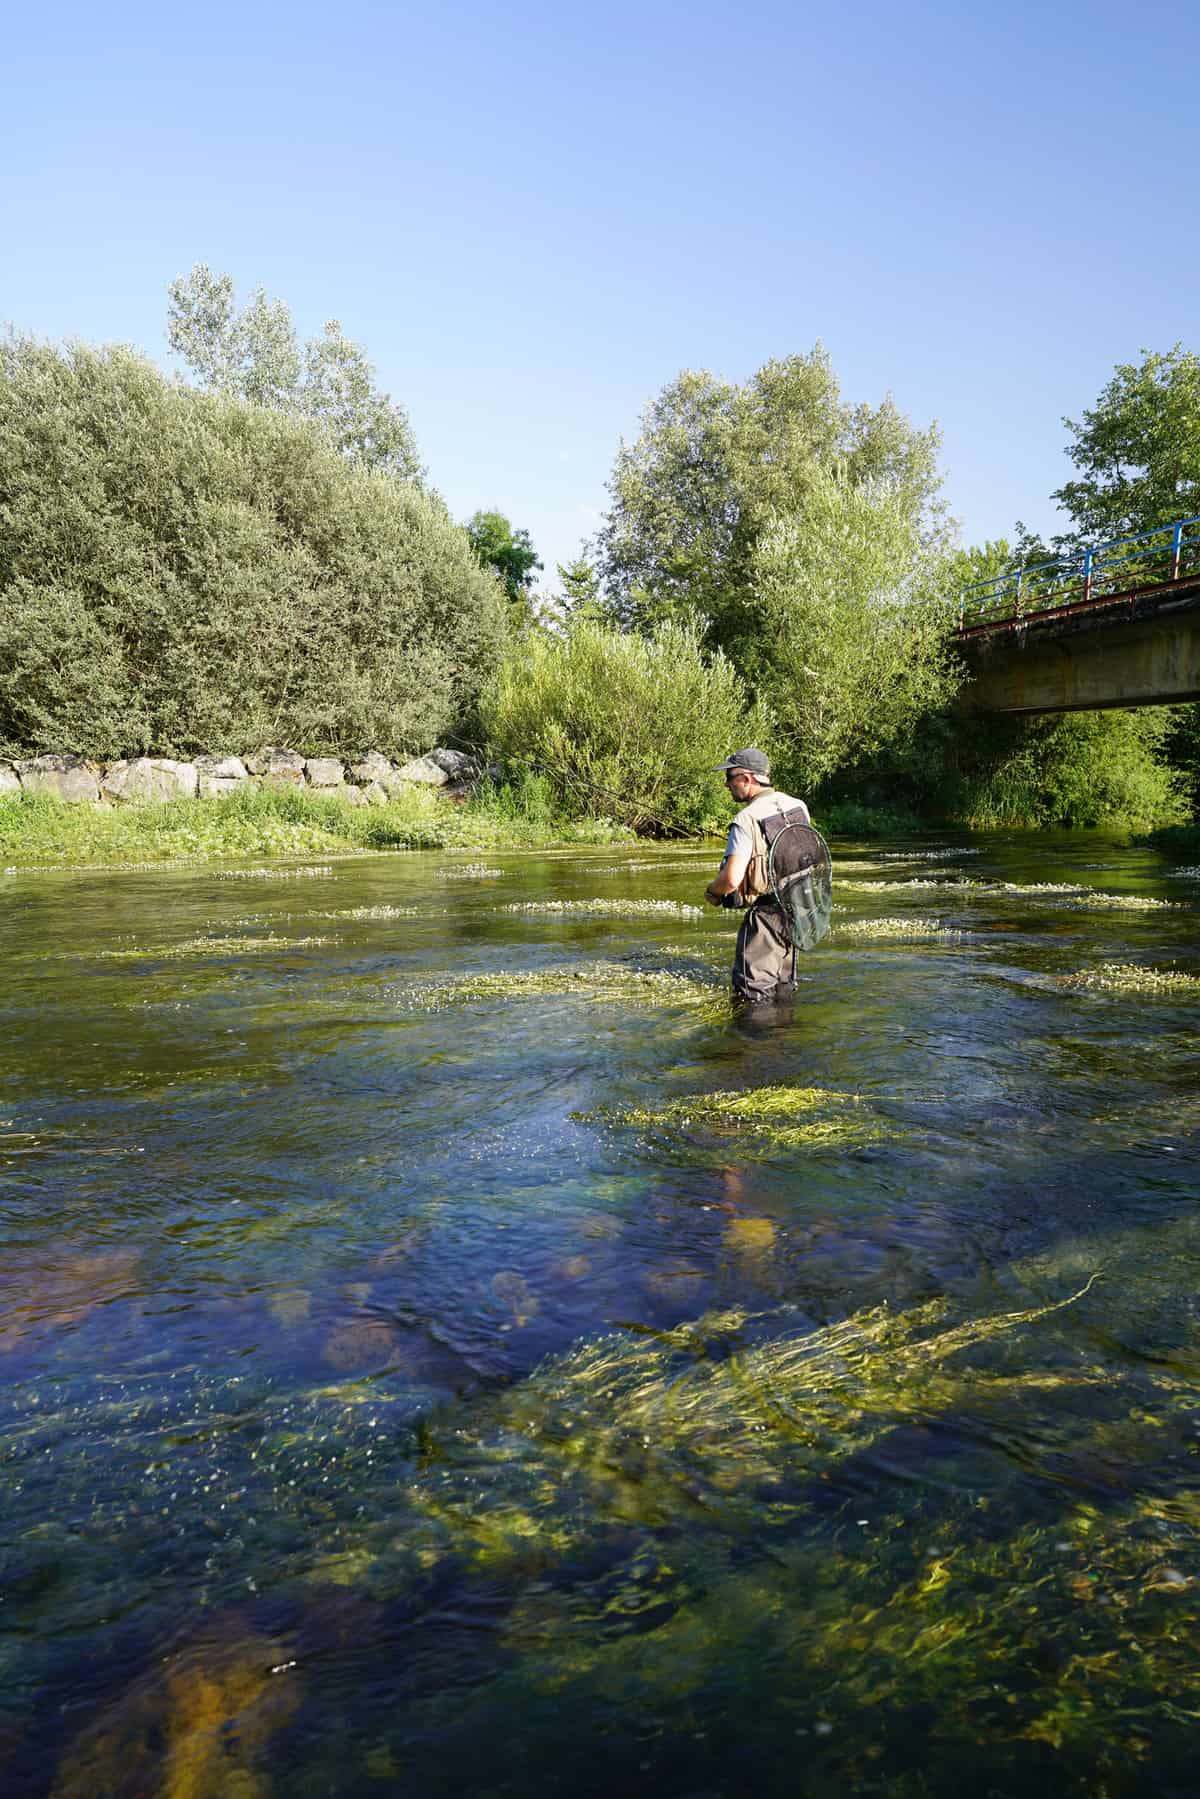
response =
{"points": [[1140, 648]]}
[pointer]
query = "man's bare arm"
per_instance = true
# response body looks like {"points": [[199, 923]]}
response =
{"points": [[727, 879]]}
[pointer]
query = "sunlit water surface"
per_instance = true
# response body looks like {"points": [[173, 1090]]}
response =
{"points": [[416, 1381]]}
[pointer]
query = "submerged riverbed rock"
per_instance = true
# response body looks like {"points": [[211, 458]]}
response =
{"points": [[149, 779], [67, 778]]}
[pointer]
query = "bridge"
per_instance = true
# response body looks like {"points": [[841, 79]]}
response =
{"points": [[1116, 625]]}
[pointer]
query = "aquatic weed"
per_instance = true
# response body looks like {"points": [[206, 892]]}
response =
{"points": [[215, 946], [1127, 977], [364, 912], [601, 982], [312, 871], [920, 929], [608, 908], [789, 1117]]}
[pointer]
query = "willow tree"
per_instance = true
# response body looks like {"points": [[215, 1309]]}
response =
{"points": [[182, 571], [253, 353], [853, 616], [716, 464]]}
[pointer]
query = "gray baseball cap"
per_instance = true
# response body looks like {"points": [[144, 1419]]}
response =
{"points": [[753, 761]]}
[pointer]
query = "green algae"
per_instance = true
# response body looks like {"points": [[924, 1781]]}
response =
{"points": [[1129, 978], [918, 929], [629, 1436], [307, 872], [1063, 893], [918, 884], [566, 1492], [782, 1117], [376, 912], [209, 946], [606, 908], [604, 983]]}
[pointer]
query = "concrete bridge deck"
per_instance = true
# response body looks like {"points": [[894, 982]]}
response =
{"points": [[1139, 648]]}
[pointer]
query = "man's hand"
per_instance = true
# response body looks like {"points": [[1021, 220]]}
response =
{"points": [[727, 880]]}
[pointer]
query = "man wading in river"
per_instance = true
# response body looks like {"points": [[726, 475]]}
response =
{"points": [[764, 963]]}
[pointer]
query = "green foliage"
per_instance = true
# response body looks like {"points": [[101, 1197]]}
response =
{"points": [[1077, 769], [510, 553], [185, 572], [254, 355], [1138, 449], [1178, 839], [851, 818], [717, 464], [580, 582], [622, 727], [853, 621]]}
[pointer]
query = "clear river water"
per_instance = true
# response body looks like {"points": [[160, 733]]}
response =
{"points": [[447, 1349]]}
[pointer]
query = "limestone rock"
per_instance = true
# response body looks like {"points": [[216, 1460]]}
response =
{"points": [[284, 766], [149, 779], [324, 771], [424, 771], [373, 767], [64, 777], [353, 796], [10, 780], [376, 794], [219, 776], [456, 764], [222, 768]]}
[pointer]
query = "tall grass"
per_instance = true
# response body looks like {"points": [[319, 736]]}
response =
{"points": [[36, 829]]}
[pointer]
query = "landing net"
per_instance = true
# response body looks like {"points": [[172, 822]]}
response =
{"points": [[800, 875]]}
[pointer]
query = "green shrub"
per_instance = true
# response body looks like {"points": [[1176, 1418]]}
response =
{"points": [[182, 572], [621, 727], [1076, 769], [850, 818]]}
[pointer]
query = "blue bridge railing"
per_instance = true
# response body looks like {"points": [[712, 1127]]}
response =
{"points": [[1084, 576]]}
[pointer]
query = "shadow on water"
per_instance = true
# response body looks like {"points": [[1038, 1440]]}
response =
{"points": [[452, 1347]]}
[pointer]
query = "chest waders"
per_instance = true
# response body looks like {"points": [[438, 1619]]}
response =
{"points": [[791, 910]]}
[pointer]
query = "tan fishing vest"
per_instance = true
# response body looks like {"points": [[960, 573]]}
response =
{"points": [[754, 883]]}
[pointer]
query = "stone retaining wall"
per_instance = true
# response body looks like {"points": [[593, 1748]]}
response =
{"points": [[143, 779]]}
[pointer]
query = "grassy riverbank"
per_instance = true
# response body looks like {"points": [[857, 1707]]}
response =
{"points": [[35, 830]]}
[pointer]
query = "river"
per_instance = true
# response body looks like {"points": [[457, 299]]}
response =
{"points": [[447, 1350]]}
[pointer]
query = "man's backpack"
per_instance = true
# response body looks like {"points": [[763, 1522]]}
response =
{"points": [[799, 876]]}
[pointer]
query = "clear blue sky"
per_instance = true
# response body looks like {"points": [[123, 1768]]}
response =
{"points": [[533, 217]]}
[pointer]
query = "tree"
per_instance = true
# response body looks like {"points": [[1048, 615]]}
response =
{"points": [[1137, 450], [621, 725], [853, 615], [580, 582], [183, 572], [254, 354], [510, 553], [716, 464]]}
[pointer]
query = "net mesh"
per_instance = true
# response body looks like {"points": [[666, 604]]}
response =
{"points": [[800, 874]]}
